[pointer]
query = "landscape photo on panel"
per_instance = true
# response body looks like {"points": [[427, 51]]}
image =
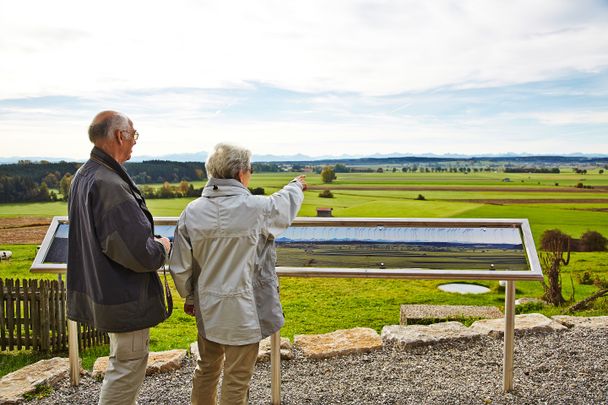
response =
{"points": [[382, 247]]}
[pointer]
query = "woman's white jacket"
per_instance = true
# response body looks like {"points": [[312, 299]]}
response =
{"points": [[223, 259]]}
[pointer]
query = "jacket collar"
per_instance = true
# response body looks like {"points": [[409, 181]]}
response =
{"points": [[108, 161], [224, 188]]}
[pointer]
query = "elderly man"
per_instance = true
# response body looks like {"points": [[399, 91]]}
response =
{"points": [[113, 256], [223, 263]]}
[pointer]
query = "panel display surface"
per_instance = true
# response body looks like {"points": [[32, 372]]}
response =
{"points": [[402, 247]]}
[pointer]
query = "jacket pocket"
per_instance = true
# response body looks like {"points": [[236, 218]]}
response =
{"points": [[230, 318]]}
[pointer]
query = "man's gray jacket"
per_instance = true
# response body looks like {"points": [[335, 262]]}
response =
{"points": [[223, 259], [112, 282]]}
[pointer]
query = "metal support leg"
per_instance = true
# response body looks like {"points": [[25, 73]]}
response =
{"points": [[73, 351], [509, 334], [275, 366]]}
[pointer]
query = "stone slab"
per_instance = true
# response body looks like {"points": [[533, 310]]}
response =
{"points": [[25, 380], [158, 362], [594, 322], [537, 323], [527, 300], [417, 335], [338, 343], [446, 312]]}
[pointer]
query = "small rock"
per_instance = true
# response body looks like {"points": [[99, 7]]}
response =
{"points": [[264, 350]]}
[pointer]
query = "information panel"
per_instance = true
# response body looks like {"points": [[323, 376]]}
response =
{"points": [[478, 248]]}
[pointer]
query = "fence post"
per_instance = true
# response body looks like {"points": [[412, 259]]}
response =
{"points": [[2, 317], [27, 315], [275, 366], [10, 313], [18, 318], [73, 352], [44, 317]]}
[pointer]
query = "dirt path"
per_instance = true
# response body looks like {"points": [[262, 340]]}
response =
{"points": [[506, 189], [23, 230]]}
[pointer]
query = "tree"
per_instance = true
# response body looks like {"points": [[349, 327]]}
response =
{"points": [[551, 262], [328, 174], [592, 241], [51, 180], [552, 236], [64, 185], [341, 168], [183, 187]]}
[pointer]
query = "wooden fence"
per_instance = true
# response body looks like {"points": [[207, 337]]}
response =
{"points": [[33, 316]]}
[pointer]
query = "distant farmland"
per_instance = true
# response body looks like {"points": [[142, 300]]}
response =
{"points": [[401, 255]]}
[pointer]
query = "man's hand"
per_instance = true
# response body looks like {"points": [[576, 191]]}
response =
{"points": [[166, 244], [189, 309]]}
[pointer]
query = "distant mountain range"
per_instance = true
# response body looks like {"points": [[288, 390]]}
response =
{"points": [[376, 158]]}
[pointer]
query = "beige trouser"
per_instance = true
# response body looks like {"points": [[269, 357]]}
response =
{"points": [[239, 365], [126, 367]]}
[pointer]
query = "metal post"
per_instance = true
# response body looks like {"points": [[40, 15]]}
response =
{"points": [[509, 333], [275, 366], [73, 352]]}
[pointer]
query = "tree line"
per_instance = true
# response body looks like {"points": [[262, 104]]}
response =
{"points": [[28, 181]]}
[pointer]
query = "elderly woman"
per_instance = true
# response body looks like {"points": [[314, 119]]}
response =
{"points": [[223, 263]]}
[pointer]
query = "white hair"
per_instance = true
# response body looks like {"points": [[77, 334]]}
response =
{"points": [[227, 161]]}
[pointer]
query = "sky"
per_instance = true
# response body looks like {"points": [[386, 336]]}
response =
{"points": [[317, 78]]}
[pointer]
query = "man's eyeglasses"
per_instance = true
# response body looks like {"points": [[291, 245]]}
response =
{"points": [[134, 135]]}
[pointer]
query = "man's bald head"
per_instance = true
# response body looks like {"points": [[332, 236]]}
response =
{"points": [[105, 124]]}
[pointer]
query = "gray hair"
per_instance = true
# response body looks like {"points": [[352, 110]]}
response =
{"points": [[227, 161], [104, 128]]}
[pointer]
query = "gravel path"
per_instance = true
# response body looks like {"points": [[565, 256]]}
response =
{"points": [[569, 367]]}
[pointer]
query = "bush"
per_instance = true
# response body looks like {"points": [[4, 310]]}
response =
{"points": [[600, 283], [585, 278], [420, 197], [326, 194], [257, 190], [592, 241]]}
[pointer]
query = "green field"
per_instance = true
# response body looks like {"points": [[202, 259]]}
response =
{"points": [[323, 305]]}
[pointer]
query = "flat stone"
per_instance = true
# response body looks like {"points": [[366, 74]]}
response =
{"points": [[523, 323], [446, 312], [416, 335], [158, 362], [527, 300], [595, 322], [264, 350], [338, 343], [25, 380]]}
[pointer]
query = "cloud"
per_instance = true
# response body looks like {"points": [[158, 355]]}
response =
{"points": [[365, 47]]}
